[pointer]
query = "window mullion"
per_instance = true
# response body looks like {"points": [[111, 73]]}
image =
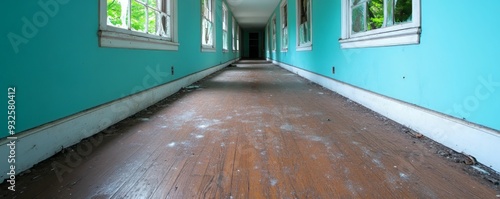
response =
{"points": [[129, 15], [147, 19]]}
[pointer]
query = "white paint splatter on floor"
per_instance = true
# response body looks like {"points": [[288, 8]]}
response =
{"points": [[172, 144], [287, 127], [274, 182], [202, 126], [404, 176], [199, 136]]}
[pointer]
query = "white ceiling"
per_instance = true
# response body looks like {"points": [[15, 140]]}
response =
{"points": [[252, 13]]}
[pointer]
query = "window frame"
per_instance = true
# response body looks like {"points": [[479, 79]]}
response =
{"points": [[233, 33], [115, 37], [399, 34], [306, 46], [225, 28], [204, 47], [237, 37], [273, 34], [283, 18], [268, 36]]}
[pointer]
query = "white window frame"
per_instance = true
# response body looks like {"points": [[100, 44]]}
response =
{"points": [[115, 37], [273, 33], [400, 34], [233, 33], [284, 47], [268, 36], [237, 37], [204, 47], [225, 27], [308, 45]]}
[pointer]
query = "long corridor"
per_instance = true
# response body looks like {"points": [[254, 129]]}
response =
{"points": [[251, 131]]}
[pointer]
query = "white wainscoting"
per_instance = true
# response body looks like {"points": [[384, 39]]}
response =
{"points": [[38, 144], [456, 134]]}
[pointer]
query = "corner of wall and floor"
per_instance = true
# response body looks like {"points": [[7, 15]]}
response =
{"points": [[444, 85]]}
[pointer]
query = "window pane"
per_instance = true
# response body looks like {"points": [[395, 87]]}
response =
{"points": [[356, 2], [285, 38], [304, 11], [169, 7], [152, 16], [285, 16], [304, 34], [117, 13], [359, 18], [138, 17], [224, 40], [375, 14], [152, 3], [403, 11], [168, 26], [390, 15], [207, 32]]}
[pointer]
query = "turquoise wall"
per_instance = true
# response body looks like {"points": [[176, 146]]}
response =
{"points": [[454, 70], [62, 71]]}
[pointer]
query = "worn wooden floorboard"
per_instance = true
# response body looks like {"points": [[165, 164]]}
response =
{"points": [[253, 131]]}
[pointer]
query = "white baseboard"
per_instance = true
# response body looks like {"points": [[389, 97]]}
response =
{"points": [[38, 144], [456, 134]]}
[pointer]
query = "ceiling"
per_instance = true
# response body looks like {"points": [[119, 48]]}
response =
{"points": [[252, 13]]}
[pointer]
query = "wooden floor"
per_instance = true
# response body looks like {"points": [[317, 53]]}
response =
{"points": [[252, 131]]}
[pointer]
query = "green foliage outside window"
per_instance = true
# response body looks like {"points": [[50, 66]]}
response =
{"points": [[369, 15], [137, 15]]}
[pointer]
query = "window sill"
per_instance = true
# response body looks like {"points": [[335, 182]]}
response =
{"points": [[225, 51], [114, 39], [305, 47], [393, 38], [208, 49]]}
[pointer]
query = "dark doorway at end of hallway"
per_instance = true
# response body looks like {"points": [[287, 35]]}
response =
{"points": [[254, 46]]}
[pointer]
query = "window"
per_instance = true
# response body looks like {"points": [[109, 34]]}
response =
{"points": [[234, 34], [207, 25], [268, 35], [284, 26], [304, 25], [140, 24], [237, 38], [273, 27], [224, 28], [372, 23]]}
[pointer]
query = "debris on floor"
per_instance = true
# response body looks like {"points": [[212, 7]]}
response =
{"points": [[470, 160], [191, 88], [412, 133]]}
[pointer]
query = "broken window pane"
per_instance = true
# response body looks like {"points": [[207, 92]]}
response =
{"points": [[305, 22], [373, 14], [118, 13], [168, 26], [359, 18], [207, 32]]}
